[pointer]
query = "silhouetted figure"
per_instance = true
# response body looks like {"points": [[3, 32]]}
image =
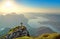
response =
{"points": [[21, 24]]}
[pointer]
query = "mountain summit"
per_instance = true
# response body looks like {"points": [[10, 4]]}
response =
{"points": [[18, 31]]}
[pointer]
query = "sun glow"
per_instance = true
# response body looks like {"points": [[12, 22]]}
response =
{"points": [[9, 6]]}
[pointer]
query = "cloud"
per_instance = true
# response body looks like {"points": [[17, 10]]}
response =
{"points": [[49, 20], [34, 23], [12, 20]]}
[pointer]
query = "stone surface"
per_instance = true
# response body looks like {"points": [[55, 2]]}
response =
{"points": [[18, 32]]}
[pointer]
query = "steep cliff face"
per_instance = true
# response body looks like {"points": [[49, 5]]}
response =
{"points": [[16, 32]]}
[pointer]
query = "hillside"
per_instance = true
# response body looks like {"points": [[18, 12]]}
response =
{"points": [[21, 32], [43, 36], [42, 30]]}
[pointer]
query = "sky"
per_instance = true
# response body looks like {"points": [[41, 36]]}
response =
{"points": [[41, 3], [25, 6]]}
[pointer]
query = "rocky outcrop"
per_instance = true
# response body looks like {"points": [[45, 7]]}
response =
{"points": [[17, 32]]}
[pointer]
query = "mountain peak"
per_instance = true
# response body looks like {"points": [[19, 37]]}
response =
{"points": [[18, 31]]}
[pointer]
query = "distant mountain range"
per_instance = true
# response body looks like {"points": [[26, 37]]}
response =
{"points": [[41, 30], [33, 32], [4, 31]]}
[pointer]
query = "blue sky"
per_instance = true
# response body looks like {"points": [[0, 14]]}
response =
{"points": [[40, 3]]}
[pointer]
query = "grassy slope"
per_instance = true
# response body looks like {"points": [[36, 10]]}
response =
{"points": [[44, 36]]}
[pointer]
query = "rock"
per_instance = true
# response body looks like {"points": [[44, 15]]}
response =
{"points": [[19, 31]]}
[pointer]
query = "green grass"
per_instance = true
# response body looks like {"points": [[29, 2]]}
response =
{"points": [[25, 37], [43, 36]]}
